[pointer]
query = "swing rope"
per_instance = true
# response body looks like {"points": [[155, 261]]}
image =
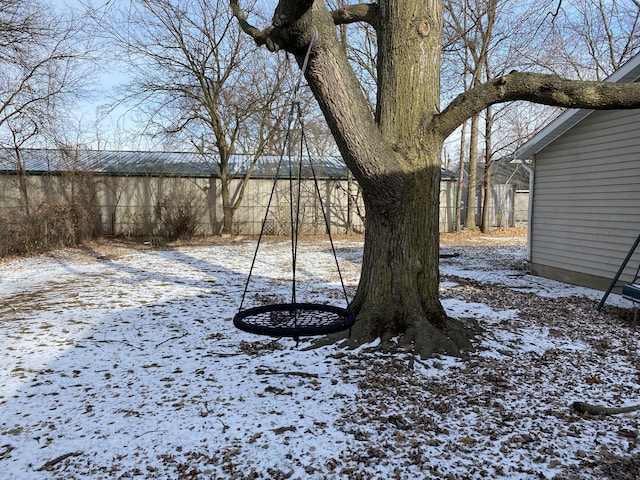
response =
{"points": [[295, 319], [322, 209], [290, 122]]}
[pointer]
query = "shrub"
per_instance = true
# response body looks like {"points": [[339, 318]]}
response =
{"points": [[49, 225], [180, 213]]}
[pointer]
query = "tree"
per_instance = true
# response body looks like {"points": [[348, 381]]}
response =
{"points": [[197, 78], [592, 38], [476, 44], [41, 66], [395, 153], [42, 72], [480, 42]]}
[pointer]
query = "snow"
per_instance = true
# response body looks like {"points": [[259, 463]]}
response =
{"points": [[122, 361]]}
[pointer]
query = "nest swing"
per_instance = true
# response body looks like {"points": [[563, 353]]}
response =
{"points": [[295, 319]]}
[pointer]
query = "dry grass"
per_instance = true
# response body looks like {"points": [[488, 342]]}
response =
{"points": [[497, 238], [108, 248]]}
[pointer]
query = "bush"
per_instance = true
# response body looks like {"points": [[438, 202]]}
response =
{"points": [[48, 226], [180, 213]]}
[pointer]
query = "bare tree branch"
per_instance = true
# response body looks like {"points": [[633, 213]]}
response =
{"points": [[558, 8], [361, 12], [364, 12], [259, 36], [41, 66], [538, 88]]}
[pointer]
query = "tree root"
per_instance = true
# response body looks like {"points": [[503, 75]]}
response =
{"points": [[449, 336], [597, 410]]}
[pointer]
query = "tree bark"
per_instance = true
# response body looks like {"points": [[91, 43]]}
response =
{"points": [[461, 179], [227, 210], [486, 200], [398, 290], [488, 161]]}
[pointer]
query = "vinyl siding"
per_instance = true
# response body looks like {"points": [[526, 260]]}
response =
{"points": [[586, 205]]}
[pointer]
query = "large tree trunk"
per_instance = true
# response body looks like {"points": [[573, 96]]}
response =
{"points": [[394, 156], [398, 291]]}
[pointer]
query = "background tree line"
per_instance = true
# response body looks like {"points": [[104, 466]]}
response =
{"points": [[582, 39], [192, 81]]}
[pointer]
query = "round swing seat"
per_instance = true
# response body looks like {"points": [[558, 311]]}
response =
{"points": [[294, 319]]}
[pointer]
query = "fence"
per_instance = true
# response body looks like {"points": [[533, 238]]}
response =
{"points": [[154, 206]]}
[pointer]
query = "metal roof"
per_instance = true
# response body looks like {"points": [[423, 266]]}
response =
{"points": [[147, 163], [448, 175], [628, 73], [175, 164]]}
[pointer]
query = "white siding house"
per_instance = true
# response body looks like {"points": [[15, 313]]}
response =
{"points": [[585, 211]]}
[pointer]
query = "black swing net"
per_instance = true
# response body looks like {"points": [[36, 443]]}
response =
{"points": [[294, 319]]}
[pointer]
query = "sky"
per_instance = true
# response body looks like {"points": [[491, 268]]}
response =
{"points": [[110, 129]]}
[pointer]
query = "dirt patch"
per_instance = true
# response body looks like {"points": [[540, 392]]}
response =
{"points": [[507, 237]]}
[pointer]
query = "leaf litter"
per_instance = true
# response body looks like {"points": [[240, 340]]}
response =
{"points": [[121, 362]]}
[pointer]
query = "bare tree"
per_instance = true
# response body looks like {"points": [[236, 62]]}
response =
{"points": [[587, 38], [196, 78], [591, 39], [482, 41], [43, 71], [473, 23], [42, 64], [395, 154]]}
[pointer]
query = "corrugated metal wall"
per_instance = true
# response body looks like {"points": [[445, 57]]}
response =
{"points": [[134, 205]]}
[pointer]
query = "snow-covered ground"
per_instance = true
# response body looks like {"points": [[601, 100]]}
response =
{"points": [[123, 362]]}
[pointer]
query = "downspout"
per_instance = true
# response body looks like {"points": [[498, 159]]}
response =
{"points": [[531, 173]]}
